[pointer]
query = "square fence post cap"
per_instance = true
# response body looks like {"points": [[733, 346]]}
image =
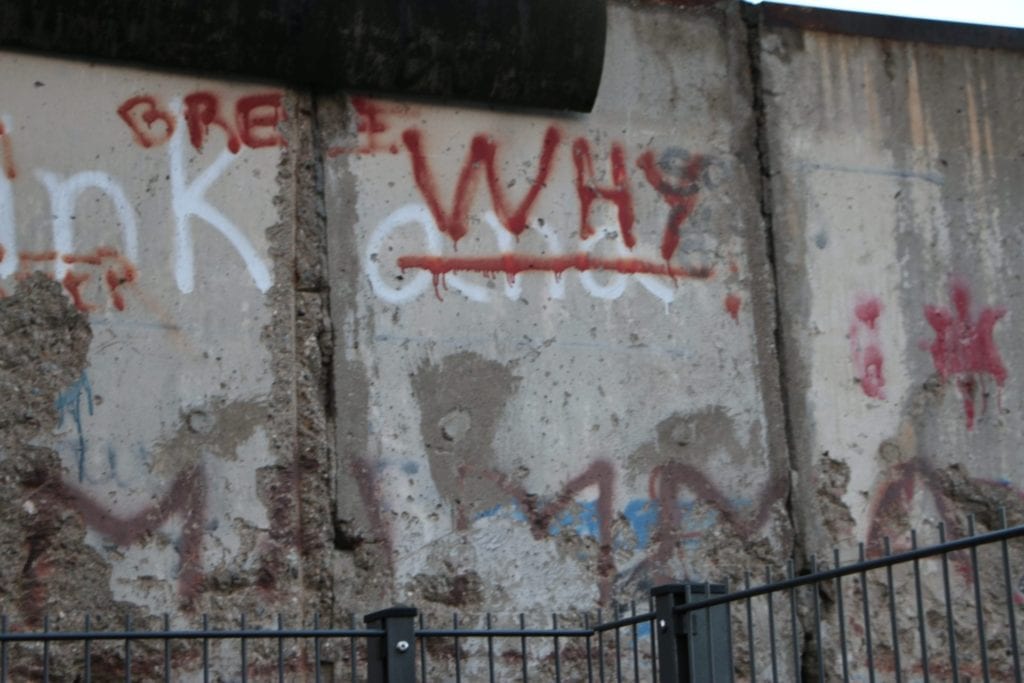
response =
{"points": [[396, 612]]}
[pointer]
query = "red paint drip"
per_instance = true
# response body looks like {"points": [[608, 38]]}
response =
{"points": [[872, 380], [867, 311], [115, 281], [965, 349], [866, 347], [681, 197], [732, 306], [619, 193], [8, 152], [73, 284], [482, 152]]}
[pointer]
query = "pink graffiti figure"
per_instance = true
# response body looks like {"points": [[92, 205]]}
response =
{"points": [[964, 349], [866, 347]]}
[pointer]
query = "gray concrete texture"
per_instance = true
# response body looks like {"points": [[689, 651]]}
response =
{"points": [[547, 361], [267, 351], [896, 216]]}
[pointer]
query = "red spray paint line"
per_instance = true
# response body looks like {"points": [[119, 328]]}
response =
{"points": [[964, 349], [186, 499], [600, 474], [732, 306], [514, 264]]}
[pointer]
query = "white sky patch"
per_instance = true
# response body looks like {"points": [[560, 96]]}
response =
{"points": [[993, 12]]}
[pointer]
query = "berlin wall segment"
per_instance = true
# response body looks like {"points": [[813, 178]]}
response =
{"points": [[157, 473], [894, 195], [548, 370]]}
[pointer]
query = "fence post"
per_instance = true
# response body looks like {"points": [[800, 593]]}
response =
{"points": [[695, 647], [392, 657]]}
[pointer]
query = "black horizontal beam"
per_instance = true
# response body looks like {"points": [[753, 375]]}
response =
{"points": [[532, 53]]}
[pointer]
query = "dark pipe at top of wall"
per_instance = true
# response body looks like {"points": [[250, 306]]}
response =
{"points": [[532, 53]]}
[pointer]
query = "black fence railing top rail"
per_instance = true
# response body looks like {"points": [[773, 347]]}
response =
{"points": [[857, 567], [188, 634]]}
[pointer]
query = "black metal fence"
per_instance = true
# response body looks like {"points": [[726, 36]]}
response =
{"points": [[947, 612]]}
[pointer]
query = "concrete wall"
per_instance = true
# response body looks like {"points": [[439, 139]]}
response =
{"points": [[547, 359], [267, 351], [896, 216], [147, 229]]}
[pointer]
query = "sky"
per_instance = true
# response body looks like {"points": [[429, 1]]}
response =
{"points": [[995, 12]]}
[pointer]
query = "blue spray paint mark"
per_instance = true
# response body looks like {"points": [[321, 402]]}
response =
{"points": [[642, 515], [510, 511], [70, 402], [584, 522]]}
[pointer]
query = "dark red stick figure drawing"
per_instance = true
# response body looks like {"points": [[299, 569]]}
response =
{"points": [[964, 349]]}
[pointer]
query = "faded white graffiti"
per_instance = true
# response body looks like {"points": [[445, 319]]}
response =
{"points": [[419, 216]]}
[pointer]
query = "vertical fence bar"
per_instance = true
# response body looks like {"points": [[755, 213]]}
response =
{"points": [[423, 654], [893, 625], [817, 621], [708, 634], [771, 625], [654, 642], [522, 645], [128, 650], [618, 646], [590, 665], [954, 664], [458, 662], [841, 615], [750, 629], [922, 632], [490, 651], [245, 663], [600, 649], [46, 649], [317, 672], [792, 619], [280, 649], [636, 644], [3, 650], [167, 649], [87, 652], [206, 649], [1009, 601], [353, 669], [978, 614], [558, 657], [866, 609]]}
